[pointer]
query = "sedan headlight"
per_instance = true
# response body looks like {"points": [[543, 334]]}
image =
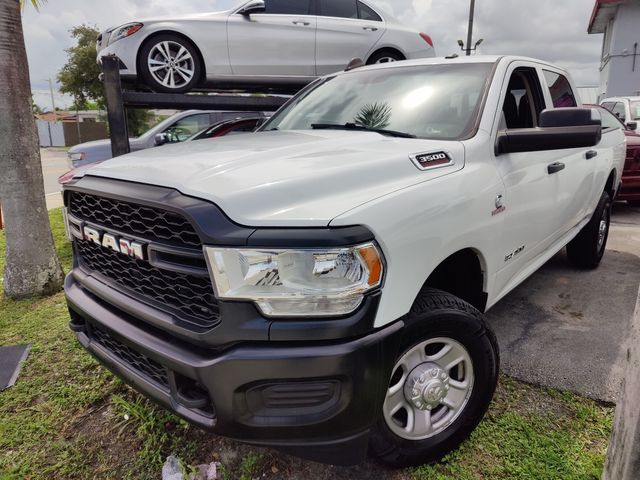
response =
{"points": [[124, 31], [305, 282]]}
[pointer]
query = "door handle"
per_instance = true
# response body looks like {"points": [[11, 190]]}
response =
{"points": [[591, 154], [373, 29], [301, 22], [555, 167]]}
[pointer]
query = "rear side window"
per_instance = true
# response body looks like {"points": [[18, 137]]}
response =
{"points": [[288, 7], [367, 13], [560, 90], [338, 8]]}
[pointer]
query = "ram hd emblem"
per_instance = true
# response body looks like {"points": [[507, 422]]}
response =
{"points": [[120, 245], [427, 161]]}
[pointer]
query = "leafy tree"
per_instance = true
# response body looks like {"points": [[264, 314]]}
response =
{"points": [[35, 107], [32, 267], [79, 77]]}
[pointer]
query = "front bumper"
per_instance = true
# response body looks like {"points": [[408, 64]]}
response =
{"points": [[317, 400]]}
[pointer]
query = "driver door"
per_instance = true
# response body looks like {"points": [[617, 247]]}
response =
{"points": [[279, 42]]}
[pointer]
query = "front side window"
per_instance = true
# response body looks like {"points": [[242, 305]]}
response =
{"points": [[367, 13], [560, 90], [608, 120], [288, 7], [186, 127], [338, 8], [429, 101], [618, 110], [635, 110]]}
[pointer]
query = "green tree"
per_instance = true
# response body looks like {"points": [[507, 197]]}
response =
{"points": [[32, 267], [79, 77], [374, 115]]}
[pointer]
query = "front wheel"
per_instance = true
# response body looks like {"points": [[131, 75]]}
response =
{"points": [[441, 384], [170, 64], [587, 249]]}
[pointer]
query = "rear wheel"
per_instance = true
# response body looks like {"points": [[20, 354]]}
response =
{"points": [[385, 56], [587, 249], [441, 384], [170, 64]]}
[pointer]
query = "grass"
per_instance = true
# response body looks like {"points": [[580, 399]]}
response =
{"points": [[67, 417]]}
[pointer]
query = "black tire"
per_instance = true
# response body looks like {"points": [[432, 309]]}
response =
{"points": [[437, 314], [586, 250], [181, 84], [389, 55]]}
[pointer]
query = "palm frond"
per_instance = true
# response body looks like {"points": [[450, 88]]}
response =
{"points": [[36, 3], [374, 115]]}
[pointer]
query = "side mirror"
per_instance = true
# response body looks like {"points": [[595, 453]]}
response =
{"points": [[560, 128], [254, 6], [161, 139], [632, 125]]}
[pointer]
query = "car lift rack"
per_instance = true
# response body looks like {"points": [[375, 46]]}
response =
{"points": [[118, 100]]}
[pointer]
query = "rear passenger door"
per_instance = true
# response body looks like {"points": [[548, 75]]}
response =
{"points": [[347, 29], [574, 185]]}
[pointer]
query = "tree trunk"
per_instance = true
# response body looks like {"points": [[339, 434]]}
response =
{"points": [[623, 456], [32, 267]]}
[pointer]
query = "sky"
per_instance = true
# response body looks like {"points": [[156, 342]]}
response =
{"points": [[547, 29]]}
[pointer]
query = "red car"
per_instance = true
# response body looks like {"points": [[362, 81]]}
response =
{"points": [[630, 190]]}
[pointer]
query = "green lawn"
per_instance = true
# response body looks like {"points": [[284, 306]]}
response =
{"points": [[67, 417]]}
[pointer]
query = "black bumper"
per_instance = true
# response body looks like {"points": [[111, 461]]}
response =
{"points": [[317, 400]]}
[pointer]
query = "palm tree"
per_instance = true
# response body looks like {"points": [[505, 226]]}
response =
{"points": [[374, 115], [32, 267]]}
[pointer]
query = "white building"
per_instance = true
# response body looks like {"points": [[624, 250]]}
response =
{"points": [[619, 20]]}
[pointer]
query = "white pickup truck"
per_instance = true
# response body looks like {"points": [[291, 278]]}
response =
{"points": [[319, 286]]}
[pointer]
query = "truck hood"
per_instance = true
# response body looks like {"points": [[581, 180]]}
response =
{"points": [[299, 178]]}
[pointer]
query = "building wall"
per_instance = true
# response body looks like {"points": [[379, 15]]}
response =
{"points": [[618, 74]]}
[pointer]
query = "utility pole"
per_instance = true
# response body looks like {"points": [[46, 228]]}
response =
{"points": [[53, 101], [470, 29]]}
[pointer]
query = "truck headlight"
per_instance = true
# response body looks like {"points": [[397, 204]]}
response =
{"points": [[305, 282], [124, 31]]}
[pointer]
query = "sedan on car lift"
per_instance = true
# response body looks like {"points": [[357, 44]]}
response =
{"points": [[259, 44]]}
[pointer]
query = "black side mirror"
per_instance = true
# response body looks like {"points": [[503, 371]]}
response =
{"points": [[560, 128], [632, 125], [161, 139], [254, 6]]}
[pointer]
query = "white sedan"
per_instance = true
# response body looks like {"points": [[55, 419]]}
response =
{"points": [[259, 43]]}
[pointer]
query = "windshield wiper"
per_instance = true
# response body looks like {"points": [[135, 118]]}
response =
{"points": [[360, 127]]}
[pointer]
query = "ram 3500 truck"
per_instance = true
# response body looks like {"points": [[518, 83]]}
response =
{"points": [[319, 286]]}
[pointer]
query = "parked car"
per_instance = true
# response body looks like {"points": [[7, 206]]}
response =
{"points": [[627, 109], [175, 129], [259, 43], [230, 127], [219, 129], [630, 190], [318, 286]]}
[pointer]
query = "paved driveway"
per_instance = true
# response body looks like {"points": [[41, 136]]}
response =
{"points": [[54, 164], [565, 328]]}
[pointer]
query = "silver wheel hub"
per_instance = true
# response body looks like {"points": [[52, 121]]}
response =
{"points": [[171, 64], [602, 231], [430, 386]]}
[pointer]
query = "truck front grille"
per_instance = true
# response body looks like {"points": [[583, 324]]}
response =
{"points": [[138, 362], [186, 293], [150, 223]]}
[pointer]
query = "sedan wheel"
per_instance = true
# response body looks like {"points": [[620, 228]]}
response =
{"points": [[170, 64]]}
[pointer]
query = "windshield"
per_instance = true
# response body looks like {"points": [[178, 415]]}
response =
{"points": [[635, 110], [427, 101]]}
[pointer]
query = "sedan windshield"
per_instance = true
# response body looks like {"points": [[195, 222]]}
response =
{"points": [[427, 101]]}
